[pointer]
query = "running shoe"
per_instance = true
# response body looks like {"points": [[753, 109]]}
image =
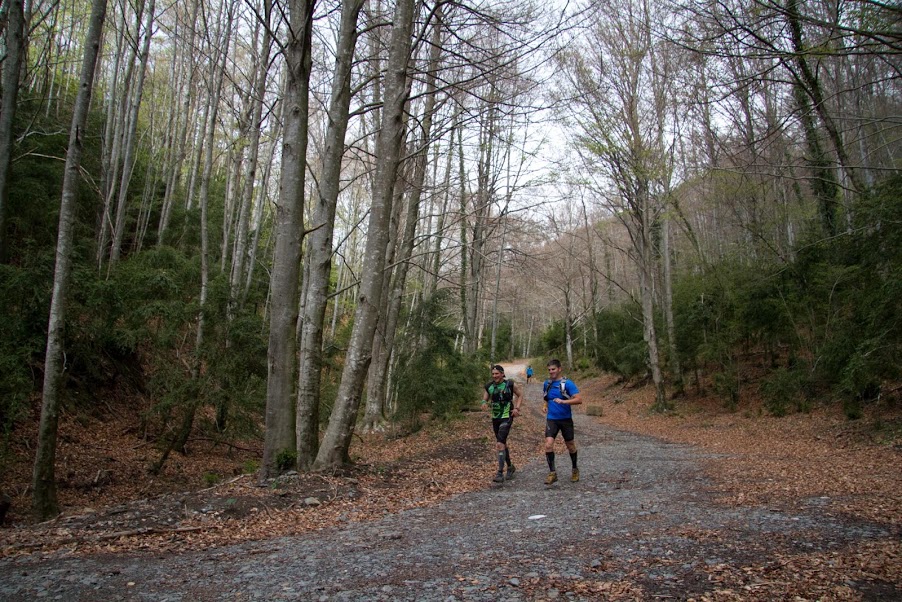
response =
{"points": [[510, 472], [575, 476], [499, 478], [551, 478]]}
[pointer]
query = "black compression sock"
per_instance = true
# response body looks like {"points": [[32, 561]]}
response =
{"points": [[500, 461], [550, 457], [573, 459], [507, 456]]}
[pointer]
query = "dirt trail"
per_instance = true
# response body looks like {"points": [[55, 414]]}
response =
{"points": [[640, 525]]}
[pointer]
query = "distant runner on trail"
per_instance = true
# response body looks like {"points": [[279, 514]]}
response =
{"points": [[528, 374], [505, 397], [559, 394]]}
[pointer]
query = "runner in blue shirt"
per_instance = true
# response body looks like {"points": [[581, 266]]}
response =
{"points": [[559, 394]]}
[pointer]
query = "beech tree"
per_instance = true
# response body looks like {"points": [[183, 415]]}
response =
{"points": [[623, 139], [44, 498], [318, 261], [11, 70], [337, 439], [282, 361]]}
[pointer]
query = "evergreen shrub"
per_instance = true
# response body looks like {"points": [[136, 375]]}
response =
{"points": [[431, 374], [621, 348]]}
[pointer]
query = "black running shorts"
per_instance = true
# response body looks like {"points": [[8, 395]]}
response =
{"points": [[565, 427], [502, 428]]}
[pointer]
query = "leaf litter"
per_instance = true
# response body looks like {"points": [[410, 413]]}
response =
{"points": [[816, 459]]}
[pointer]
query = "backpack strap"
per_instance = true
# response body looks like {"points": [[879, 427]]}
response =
{"points": [[564, 393], [562, 383]]}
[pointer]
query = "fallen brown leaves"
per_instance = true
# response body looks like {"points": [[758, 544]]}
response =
{"points": [[391, 473], [821, 459], [816, 459], [759, 459]]}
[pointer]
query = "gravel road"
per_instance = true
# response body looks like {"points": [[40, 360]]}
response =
{"points": [[640, 525]]}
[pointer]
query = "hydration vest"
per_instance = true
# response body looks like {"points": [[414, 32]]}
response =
{"points": [[563, 385]]}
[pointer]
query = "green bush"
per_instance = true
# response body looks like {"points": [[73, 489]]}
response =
{"points": [[24, 303], [286, 460], [553, 338], [621, 347], [432, 375], [782, 392]]}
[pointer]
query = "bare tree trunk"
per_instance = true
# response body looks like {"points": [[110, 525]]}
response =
{"points": [[44, 500], [646, 265], [247, 194], [376, 395], [813, 88], [112, 133], [181, 126], [675, 367], [151, 180], [128, 163], [467, 328], [492, 355], [485, 189], [319, 245], [258, 222], [381, 350], [12, 68], [337, 440], [432, 277], [279, 436]]}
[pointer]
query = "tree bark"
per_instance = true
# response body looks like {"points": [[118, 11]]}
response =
{"points": [[279, 435], [128, 163], [240, 253], [337, 439], [376, 394], [180, 125], [675, 366], [44, 500], [319, 244], [12, 68], [111, 146]]}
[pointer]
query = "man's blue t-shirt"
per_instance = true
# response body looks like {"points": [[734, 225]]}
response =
{"points": [[559, 411]]}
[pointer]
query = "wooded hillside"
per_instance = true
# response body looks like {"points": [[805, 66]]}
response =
{"points": [[291, 222]]}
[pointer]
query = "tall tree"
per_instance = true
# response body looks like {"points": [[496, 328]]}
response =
{"points": [[379, 369], [255, 130], [337, 439], [615, 86], [131, 138], [44, 500], [282, 359], [11, 71], [318, 260]]}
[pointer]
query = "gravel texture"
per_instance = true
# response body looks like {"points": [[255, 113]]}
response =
{"points": [[640, 525]]}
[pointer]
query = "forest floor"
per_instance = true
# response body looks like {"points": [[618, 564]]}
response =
{"points": [[807, 467]]}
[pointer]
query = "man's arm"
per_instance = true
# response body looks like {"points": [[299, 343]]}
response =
{"points": [[518, 396], [575, 399]]}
